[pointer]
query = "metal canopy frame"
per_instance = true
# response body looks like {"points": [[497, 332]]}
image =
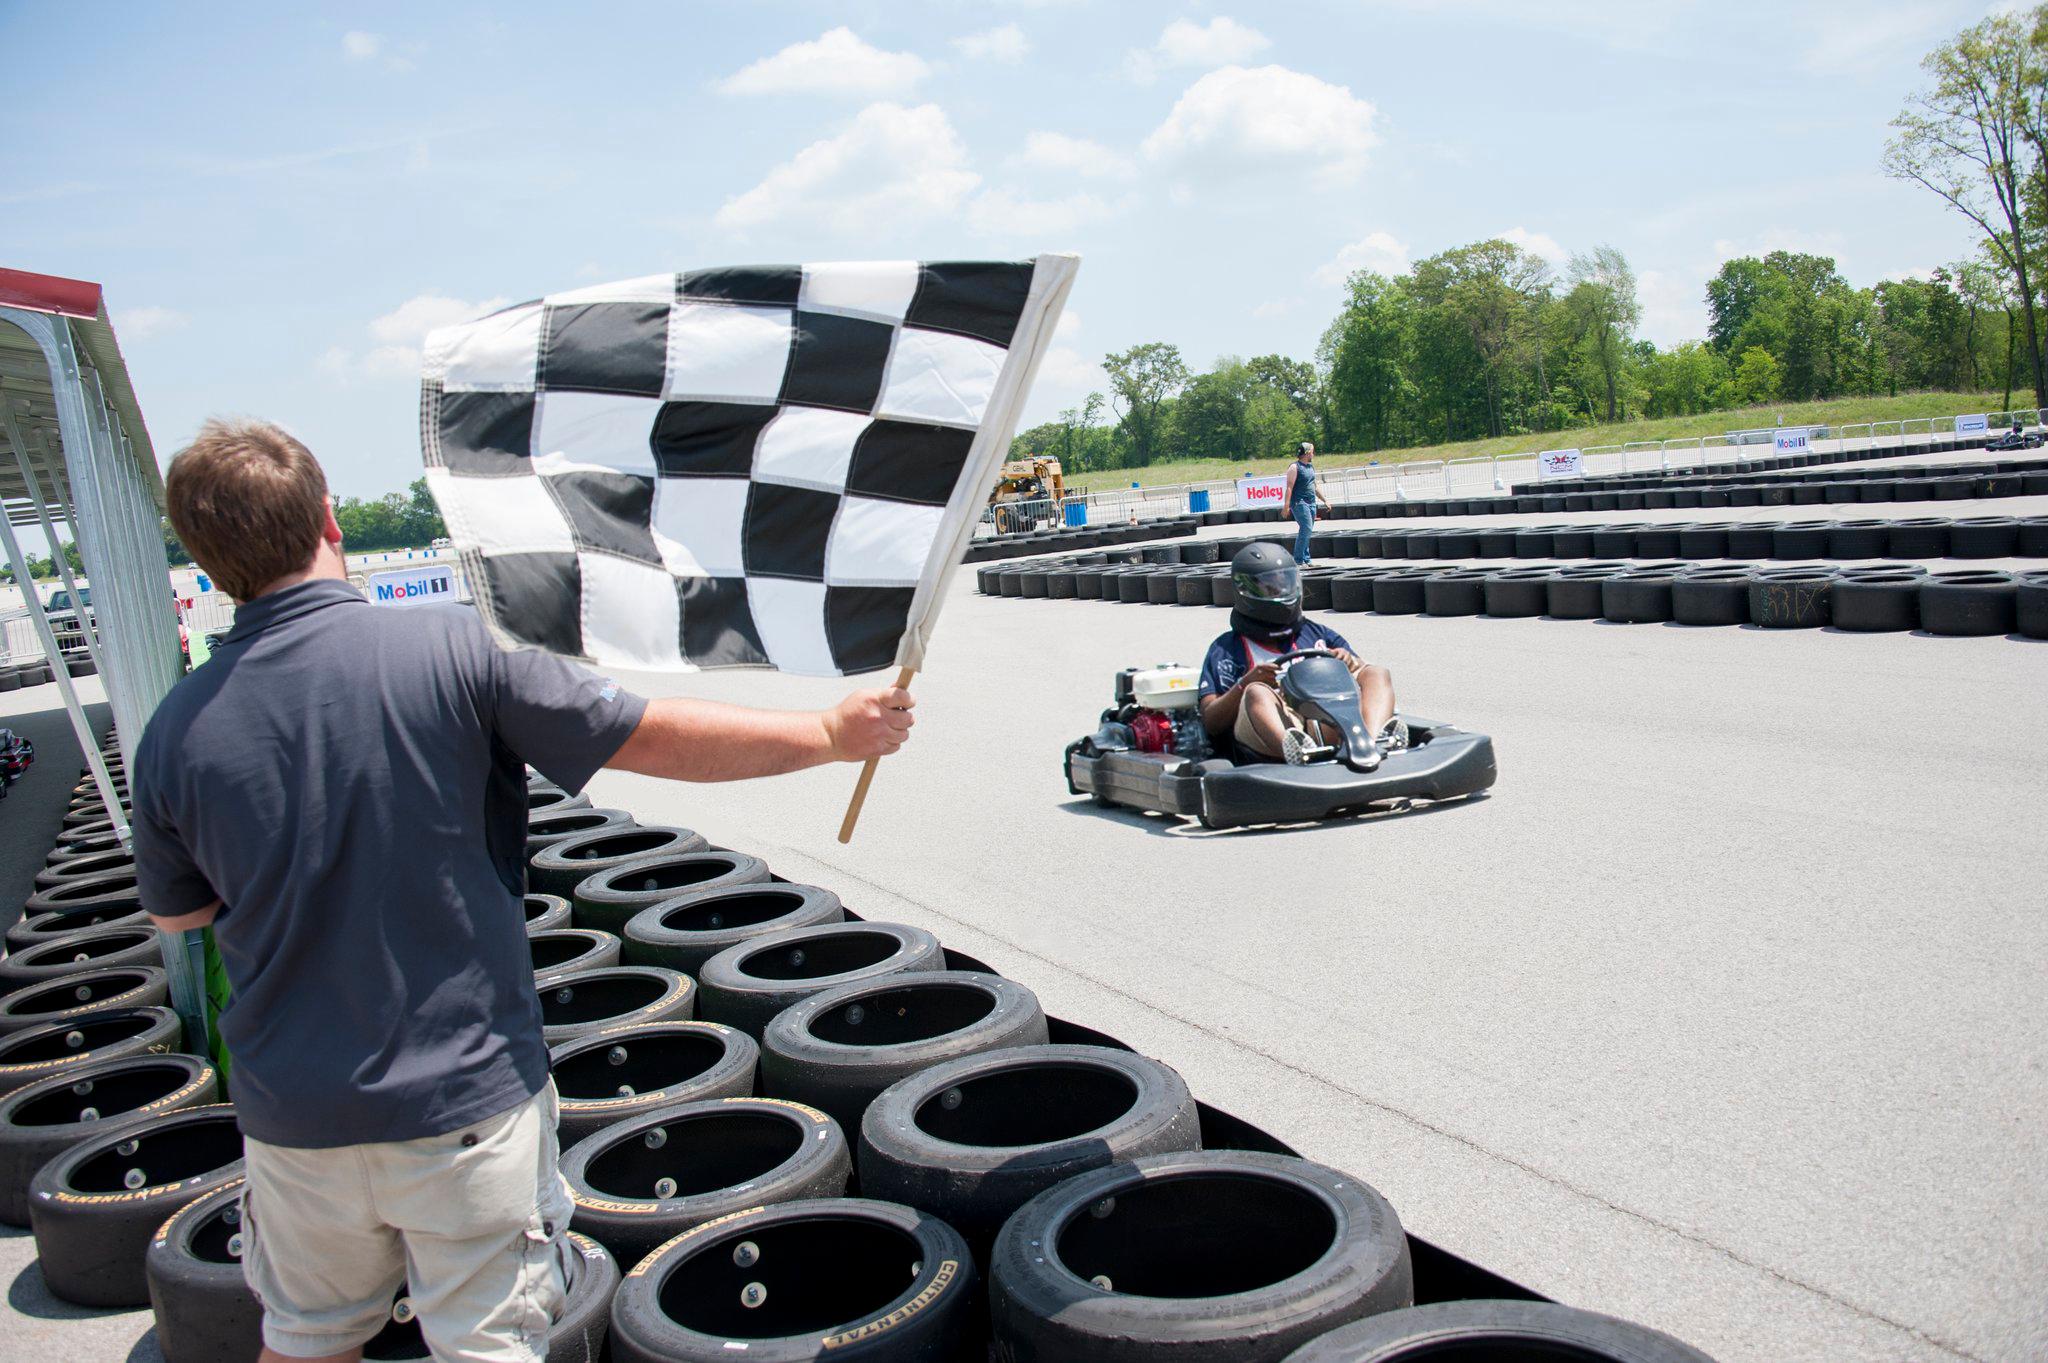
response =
{"points": [[73, 448]]}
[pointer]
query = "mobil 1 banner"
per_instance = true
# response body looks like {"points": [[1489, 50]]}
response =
{"points": [[411, 586], [1791, 441], [1973, 425]]}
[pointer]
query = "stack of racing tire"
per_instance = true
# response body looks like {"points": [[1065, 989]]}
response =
{"points": [[800, 1134]]}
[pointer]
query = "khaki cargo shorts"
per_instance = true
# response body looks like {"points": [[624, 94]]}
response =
{"points": [[474, 1222]]}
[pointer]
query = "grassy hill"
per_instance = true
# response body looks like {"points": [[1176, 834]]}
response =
{"points": [[1837, 412]]}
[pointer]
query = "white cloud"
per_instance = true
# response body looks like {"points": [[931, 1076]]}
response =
{"points": [[889, 166], [141, 324], [1004, 44], [1073, 155], [1277, 307], [398, 334], [358, 46], [1068, 327], [1537, 244], [1250, 120], [837, 63], [1379, 252], [1002, 213], [1674, 306], [1187, 45]]}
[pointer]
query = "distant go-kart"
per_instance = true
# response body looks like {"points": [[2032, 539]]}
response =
{"points": [[1150, 752], [2018, 438]]}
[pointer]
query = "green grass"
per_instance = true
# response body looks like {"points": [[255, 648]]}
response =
{"points": [[1839, 411]]}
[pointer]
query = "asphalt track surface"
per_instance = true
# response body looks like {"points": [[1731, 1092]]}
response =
{"points": [[1723, 1012]]}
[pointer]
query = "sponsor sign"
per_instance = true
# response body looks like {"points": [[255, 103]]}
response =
{"points": [[1966, 425], [1558, 464], [1268, 491], [411, 586], [1790, 441]]}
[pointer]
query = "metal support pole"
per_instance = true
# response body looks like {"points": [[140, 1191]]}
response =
{"points": [[86, 628], [65, 690]]}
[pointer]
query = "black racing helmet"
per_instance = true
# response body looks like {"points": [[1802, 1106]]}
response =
{"points": [[1267, 583]]}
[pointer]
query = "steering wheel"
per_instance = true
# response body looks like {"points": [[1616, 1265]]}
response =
{"points": [[1281, 663]]}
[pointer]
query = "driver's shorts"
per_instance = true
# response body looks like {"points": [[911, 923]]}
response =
{"points": [[1247, 736], [478, 1217]]}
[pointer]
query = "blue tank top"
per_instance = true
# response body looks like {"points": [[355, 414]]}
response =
{"points": [[1304, 483]]}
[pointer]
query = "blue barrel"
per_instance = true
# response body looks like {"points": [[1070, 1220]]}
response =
{"points": [[1077, 513], [1198, 500], [205, 582]]}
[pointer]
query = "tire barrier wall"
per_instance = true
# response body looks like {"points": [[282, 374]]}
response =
{"points": [[854, 1151], [1786, 485], [1964, 602]]}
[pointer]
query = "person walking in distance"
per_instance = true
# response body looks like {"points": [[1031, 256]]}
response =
{"points": [[1302, 497], [340, 792]]}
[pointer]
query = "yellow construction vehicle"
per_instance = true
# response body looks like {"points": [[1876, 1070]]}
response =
{"points": [[1029, 494]]}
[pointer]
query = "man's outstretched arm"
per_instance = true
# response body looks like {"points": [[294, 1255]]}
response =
{"points": [[701, 740]]}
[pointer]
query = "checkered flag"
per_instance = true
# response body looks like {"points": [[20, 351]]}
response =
{"points": [[769, 466]]}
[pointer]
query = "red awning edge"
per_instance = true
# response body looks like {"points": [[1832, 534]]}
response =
{"points": [[49, 293]]}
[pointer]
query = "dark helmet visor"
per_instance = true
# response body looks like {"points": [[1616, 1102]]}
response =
{"points": [[1281, 585]]}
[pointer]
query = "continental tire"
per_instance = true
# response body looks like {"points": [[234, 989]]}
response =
{"points": [[2030, 604], [545, 830], [973, 1139], [745, 986], [1920, 537], [839, 1278], [71, 868], [621, 1072], [576, 1336], [608, 899], [105, 890], [74, 996], [40, 1121], [1499, 1331], [1791, 598], [1216, 1255], [1984, 537], [1636, 598], [545, 913], [83, 847], [837, 1049], [587, 1001], [1519, 593], [1801, 539], [641, 1181], [1575, 593], [684, 932], [564, 951], [1878, 602], [38, 1052], [95, 1207], [205, 1312], [90, 949], [1460, 591], [1957, 604], [1400, 593], [549, 799], [1703, 541], [1712, 596], [1352, 591], [562, 866]]}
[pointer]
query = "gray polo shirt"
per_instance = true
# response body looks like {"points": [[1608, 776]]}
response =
{"points": [[347, 780]]}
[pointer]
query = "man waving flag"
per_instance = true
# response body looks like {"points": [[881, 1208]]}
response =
{"points": [[765, 466]]}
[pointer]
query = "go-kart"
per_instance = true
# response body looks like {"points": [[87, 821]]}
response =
{"points": [[2017, 438], [1150, 752]]}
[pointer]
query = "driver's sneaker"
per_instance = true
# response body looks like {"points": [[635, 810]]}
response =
{"points": [[1394, 738], [1295, 747]]}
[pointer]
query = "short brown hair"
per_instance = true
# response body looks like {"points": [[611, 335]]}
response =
{"points": [[248, 502]]}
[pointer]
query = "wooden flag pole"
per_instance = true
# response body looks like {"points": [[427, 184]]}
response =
{"points": [[867, 775]]}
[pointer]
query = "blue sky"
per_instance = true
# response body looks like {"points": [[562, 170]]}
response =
{"points": [[280, 200]]}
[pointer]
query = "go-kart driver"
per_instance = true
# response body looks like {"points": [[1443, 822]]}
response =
{"points": [[1240, 694]]}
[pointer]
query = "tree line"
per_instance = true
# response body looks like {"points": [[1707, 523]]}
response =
{"points": [[1488, 340]]}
